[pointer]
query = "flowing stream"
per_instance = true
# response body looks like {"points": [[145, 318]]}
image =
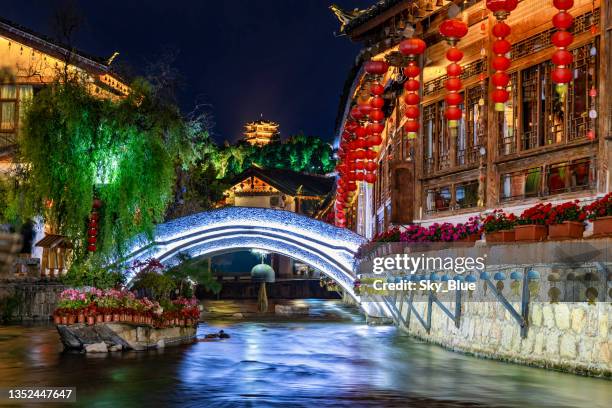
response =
{"points": [[282, 363]]}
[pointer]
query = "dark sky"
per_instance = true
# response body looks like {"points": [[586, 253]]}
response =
{"points": [[278, 58]]}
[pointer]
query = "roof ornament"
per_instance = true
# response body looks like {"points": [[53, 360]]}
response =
{"points": [[344, 17]]}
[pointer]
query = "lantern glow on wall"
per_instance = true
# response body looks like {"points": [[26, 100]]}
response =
{"points": [[562, 58], [412, 48], [500, 63], [453, 30]]}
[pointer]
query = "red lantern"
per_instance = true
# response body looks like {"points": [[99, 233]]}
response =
{"points": [[412, 46], [412, 70], [411, 98], [454, 70], [561, 74], [370, 166], [370, 178], [500, 79], [411, 126], [92, 240], [377, 102], [97, 203], [356, 113], [562, 57], [91, 247], [377, 115], [499, 96], [500, 63], [454, 98], [375, 128], [501, 47], [376, 67], [454, 54], [562, 39], [376, 89], [412, 112], [453, 113], [412, 85], [453, 29]]}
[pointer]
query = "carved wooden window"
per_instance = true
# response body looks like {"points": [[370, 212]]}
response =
{"points": [[476, 123], [521, 184], [568, 176], [579, 102], [555, 109], [508, 123], [438, 199], [443, 138], [466, 194], [531, 95], [429, 132]]}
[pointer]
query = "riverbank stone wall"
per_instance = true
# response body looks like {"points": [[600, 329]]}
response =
{"points": [[571, 337]]}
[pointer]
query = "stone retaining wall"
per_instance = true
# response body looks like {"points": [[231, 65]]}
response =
{"points": [[104, 337], [36, 299], [572, 337]]}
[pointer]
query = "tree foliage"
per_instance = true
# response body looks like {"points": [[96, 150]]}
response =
{"points": [[76, 146]]}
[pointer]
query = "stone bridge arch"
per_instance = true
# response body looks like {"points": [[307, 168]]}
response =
{"points": [[328, 248]]}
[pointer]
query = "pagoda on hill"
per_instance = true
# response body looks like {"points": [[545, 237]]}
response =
{"points": [[261, 132]]}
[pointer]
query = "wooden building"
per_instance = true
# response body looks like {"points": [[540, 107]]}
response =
{"points": [[29, 61], [280, 189], [537, 148]]}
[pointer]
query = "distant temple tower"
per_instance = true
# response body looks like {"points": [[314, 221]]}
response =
{"points": [[261, 132]]}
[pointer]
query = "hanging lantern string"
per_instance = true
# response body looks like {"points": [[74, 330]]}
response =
{"points": [[412, 48], [562, 39], [453, 30]]}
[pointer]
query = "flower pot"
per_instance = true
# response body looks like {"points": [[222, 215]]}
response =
{"points": [[500, 236], [566, 230], [64, 320], [116, 317], [71, 319], [81, 318], [108, 318], [99, 318], [602, 226], [57, 320], [129, 318], [181, 322], [530, 232]]}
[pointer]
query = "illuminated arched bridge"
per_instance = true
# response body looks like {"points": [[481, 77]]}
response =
{"points": [[321, 245]]}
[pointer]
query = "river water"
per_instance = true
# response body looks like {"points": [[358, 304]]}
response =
{"points": [[309, 363]]}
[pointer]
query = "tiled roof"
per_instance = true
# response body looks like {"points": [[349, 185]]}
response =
{"points": [[288, 181]]}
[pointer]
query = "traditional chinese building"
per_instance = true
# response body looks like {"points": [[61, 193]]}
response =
{"points": [[547, 142], [261, 132], [279, 188], [284, 190], [29, 61]]}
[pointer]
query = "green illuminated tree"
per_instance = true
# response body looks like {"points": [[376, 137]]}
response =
{"points": [[76, 146]]}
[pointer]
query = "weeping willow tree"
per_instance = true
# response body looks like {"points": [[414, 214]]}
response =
{"points": [[76, 147]]}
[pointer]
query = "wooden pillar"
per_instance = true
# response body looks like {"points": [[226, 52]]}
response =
{"points": [[604, 107], [493, 117]]}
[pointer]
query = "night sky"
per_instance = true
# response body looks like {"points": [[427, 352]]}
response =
{"points": [[244, 58]]}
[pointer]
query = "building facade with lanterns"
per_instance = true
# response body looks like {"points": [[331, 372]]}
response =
{"points": [[457, 108]]}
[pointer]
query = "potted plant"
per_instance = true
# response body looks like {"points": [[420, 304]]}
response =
{"points": [[532, 223], [499, 226], [600, 214], [566, 221]]}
